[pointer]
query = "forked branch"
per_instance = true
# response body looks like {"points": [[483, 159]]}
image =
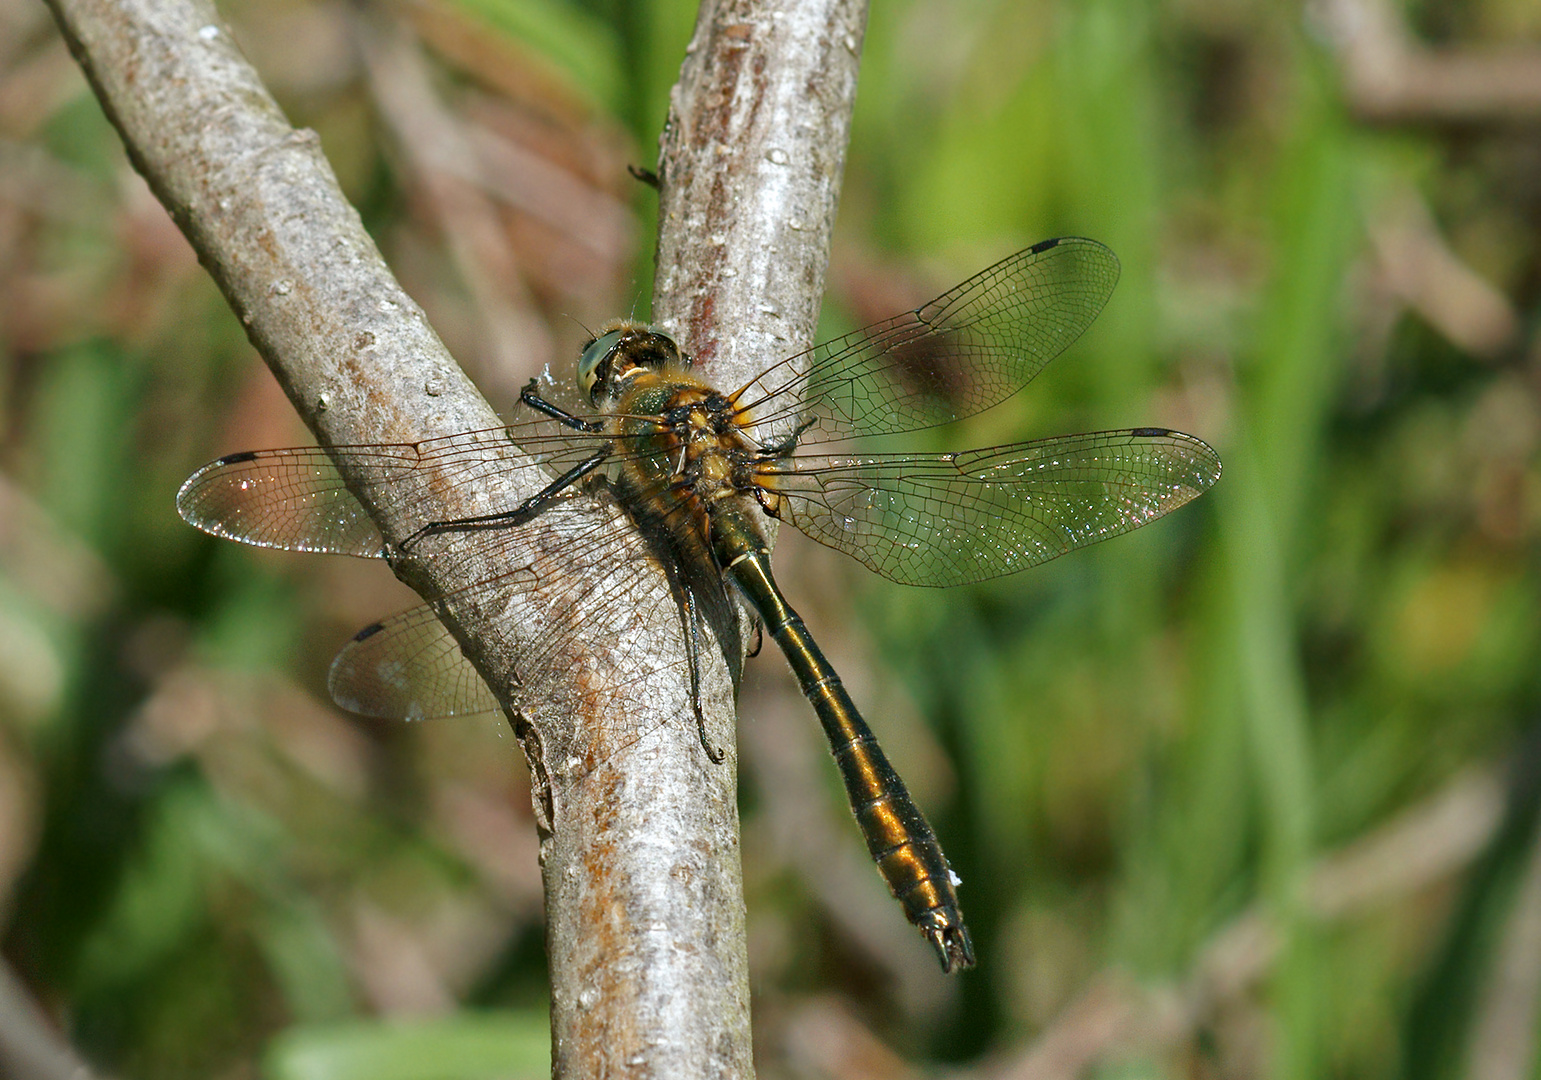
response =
{"points": [[640, 852]]}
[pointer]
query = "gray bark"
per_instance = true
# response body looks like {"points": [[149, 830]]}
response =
{"points": [[645, 910], [751, 160]]}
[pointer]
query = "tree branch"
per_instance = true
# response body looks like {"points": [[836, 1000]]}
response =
{"points": [[639, 835], [751, 160], [750, 163]]}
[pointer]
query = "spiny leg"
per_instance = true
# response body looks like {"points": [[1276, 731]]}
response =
{"points": [[776, 451], [522, 513], [532, 399]]}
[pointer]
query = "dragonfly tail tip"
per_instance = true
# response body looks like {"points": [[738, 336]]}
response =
{"points": [[953, 947]]}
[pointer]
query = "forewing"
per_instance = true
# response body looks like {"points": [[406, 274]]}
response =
{"points": [[948, 519], [296, 499], [292, 499], [967, 350]]}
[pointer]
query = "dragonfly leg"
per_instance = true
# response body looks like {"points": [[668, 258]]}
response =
{"points": [[782, 449], [522, 513], [530, 397], [652, 179]]}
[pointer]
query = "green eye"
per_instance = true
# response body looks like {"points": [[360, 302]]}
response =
{"points": [[597, 353]]}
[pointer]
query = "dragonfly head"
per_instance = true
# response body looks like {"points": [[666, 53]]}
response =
{"points": [[621, 350]]}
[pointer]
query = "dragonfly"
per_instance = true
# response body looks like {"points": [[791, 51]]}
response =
{"points": [[700, 474]]}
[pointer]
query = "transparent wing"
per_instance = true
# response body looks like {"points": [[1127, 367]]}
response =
{"points": [[407, 667], [968, 349], [921, 519], [293, 499], [296, 499], [410, 666], [947, 519]]}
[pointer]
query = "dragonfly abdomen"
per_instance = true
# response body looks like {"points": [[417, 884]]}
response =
{"points": [[899, 838]]}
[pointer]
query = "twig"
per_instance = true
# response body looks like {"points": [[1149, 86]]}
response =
{"points": [[1421, 270], [750, 162], [639, 848], [1388, 77], [357, 358]]}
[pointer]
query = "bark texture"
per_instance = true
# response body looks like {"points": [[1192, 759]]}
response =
{"points": [[750, 163]]}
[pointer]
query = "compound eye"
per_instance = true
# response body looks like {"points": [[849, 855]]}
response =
{"points": [[599, 350]]}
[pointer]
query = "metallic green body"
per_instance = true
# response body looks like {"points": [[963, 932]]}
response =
{"points": [[691, 482]]}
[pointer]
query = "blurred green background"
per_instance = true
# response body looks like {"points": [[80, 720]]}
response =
{"points": [[1251, 792]]}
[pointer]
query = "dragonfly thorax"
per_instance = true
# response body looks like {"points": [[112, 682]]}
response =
{"points": [[691, 438]]}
